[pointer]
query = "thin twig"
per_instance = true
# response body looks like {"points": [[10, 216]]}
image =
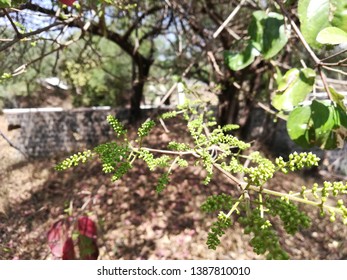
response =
{"points": [[267, 109], [19, 35], [299, 34], [12, 145], [334, 55], [339, 63], [335, 70], [230, 17], [325, 83]]}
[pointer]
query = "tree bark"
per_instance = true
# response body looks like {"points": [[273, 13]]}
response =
{"points": [[228, 105], [140, 76]]}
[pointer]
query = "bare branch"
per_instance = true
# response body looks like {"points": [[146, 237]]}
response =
{"points": [[12, 23], [230, 17], [12, 145]]}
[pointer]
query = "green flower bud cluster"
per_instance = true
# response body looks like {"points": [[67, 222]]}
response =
{"points": [[297, 161], [218, 230], [107, 168], [293, 219], [265, 240], [233, 142], [211, 123], [342, 211], [145, 128], [162, 182], [116, 125], [182, 162], [264, 170], [114, 158], [221, 202], [218, 137], [152, 162], [175, 146], [234, 166], [169, 115], [74, 160], [5, 76], [195, 128], [207, 163], [193, 108], [112, 153], [339, 188], [230, 127], [322, 194]]}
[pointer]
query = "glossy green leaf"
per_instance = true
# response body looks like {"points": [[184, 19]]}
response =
{"points": [[256, 29], [293, 88], [267, 32], [241, 60], [275, 37], [332, 36], [298, 126], [267, 37], [321, 124], [5, 3], [316, 15]]}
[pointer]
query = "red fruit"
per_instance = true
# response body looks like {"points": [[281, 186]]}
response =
{"points": [[67, 2]]}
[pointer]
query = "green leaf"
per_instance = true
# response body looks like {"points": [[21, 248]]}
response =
{"points": [[321, 124], [340, 129], [314, 16], [298, 125], [267, 32], [267, 36], [339, 9], [5, 3], [293, 88], [332, 36], [241, 60], [338, 98], [256, 29], [274, 38]]}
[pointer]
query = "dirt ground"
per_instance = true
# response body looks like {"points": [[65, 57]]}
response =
{"points": [[133, 221]]}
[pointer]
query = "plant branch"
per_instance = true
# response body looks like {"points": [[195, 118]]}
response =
{"points": [[335, 70], [334, 55], [19, 35], [229, 18], [298, 33], [12, 145], [295, 198], [324, 81]]}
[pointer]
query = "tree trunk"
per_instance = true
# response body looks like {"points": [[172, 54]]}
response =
{"points": [[228, 106], [140, 74]]}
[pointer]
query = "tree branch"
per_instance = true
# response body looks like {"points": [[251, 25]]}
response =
{"points": [[12, 145]]}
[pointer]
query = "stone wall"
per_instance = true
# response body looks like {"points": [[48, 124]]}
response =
{"points": [[49, 132]]}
